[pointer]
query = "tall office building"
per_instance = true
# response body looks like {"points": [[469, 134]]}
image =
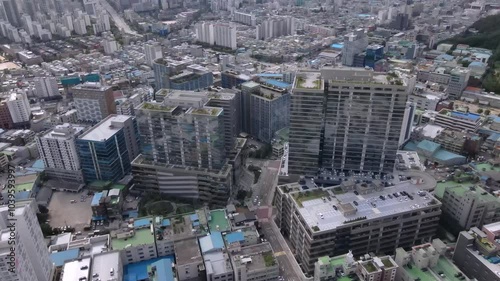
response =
{"points": [[183, 143], [93, 101], [354, 43], [59, 153], [107, 149], [407, 126], [91, 7], [32, 261], [152, 52], [348, 119], [229, 101], [353, 216], [269, 111], [459, 77], [46, 87]]}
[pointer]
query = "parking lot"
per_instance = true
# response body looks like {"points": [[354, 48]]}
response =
{"points": [[62, 212]]}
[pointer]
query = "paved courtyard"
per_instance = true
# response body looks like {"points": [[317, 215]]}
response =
{"points": [[62, 212]]}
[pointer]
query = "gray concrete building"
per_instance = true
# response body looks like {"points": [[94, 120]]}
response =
{"points": [[93, 101], [346, 118], [354, 43], [476, 253], [362, 217]]}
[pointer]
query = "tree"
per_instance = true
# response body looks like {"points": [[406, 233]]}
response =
{"points": [[42, 218], [480, 111], [43, 209], [487, 112], [242, 194], [46, 229]]}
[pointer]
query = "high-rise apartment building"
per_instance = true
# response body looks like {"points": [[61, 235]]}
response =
{"points": [[31, 258], [275, 27], [19, 106], [93, 101], [12, 11], [348, 119], [59, 153], [5, 117], [229, 102], [110, 46], [152, 52], [360, 217], [244, 18], [218, 34], [354, 43], [107, 149], [46, 87]]}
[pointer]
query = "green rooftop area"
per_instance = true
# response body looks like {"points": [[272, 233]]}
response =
{"points": [[444, 266], [370, 267], [487, 167], [387, 263], [309, 195], [24, 186], [100, 184], [334, 262], [414, 272], [441, 186], [118, 186], [218, 221], [157, 107], [346, 278], [141, 236]]}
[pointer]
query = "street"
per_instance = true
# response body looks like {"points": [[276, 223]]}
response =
{"points": [[289, 268], [119, 22]]}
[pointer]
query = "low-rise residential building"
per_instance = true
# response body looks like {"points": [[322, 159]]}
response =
{"points": [[217, 262], [426, 262], [256, 262]]}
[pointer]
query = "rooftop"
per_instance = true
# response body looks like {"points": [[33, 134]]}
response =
{"points": [[59, 258], [156, 107], [255, 257], [461, 115], [309, 80], [102, 265], [416, 273], [445, 267], [106, 128], [140, 237], [333, 262], [218, 221], [91, 86], [75, 270], [187, 251], [211, 111], [64, 131], [317, 205]]}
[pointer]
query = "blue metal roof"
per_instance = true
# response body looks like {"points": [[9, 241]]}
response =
{"points": [[95, 200], [60, 258], [211, 242], [164, 270], [38, 164], [428, 146], [22, 195], [410, 146], [165, 222], [194, 217], [469, 116], [139, 270], [494, 137], [235, 237], [277, 83], [445, 155], [337, 46], [141, 223]]}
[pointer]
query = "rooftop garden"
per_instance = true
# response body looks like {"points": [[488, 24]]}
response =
{"points": [[311, 83], [159, 107], [387, 263], [315, 228], [269, 259], [309, 195], [370, 267], [206, 111]]}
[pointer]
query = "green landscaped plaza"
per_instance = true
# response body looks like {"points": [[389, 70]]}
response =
{"points": [[416, 272], [487, 167], [24, 187], [141, 237], [218, 221]]}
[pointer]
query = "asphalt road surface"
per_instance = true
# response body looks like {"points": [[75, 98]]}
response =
{"points": [[119, 22]]}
